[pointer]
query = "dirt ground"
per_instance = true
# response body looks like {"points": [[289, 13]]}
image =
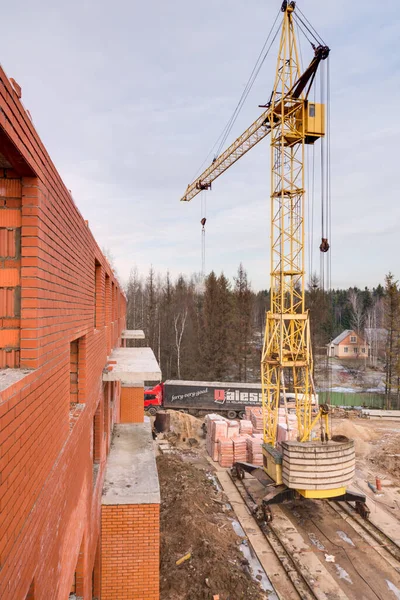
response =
{"points": [[195, 520], [377, 444]]}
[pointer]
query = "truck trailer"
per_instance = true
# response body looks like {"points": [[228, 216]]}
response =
{"points": [[198, 397]]}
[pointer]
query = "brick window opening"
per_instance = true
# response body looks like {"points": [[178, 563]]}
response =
{"points": [[108, 299], [96, 441], [112, 302], [106, 410], [96, 436], [345, 349], [97, 296], [353, 339], [355, 350], [73, 372], [73, 587], [31, 593], [96, 574], [76, 590], [77, 371]]}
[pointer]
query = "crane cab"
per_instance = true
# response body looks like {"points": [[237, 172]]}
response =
{"points": [[308, 121], [314, 121]]}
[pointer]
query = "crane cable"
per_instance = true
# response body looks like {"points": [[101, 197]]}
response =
{"points": [[316, 36], [250, 82], [249, 85], [203, 215]]}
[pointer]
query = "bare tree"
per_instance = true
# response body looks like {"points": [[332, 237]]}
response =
{"points": [[357, 310], [179, 325]]}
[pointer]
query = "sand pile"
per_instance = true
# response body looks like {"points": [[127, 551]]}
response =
{"points": [[361, 435], [185, 427]]}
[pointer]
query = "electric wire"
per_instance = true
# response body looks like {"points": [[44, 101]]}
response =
{"points": [[252, 78]]}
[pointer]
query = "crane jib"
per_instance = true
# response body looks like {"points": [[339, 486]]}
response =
{"points": [[256, 132]]}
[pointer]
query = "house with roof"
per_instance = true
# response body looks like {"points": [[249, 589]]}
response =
{"points": [[349, 344]]}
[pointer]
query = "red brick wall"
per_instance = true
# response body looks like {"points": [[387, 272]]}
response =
{"points": [[130, 538], [132, 405], [50, 491]]}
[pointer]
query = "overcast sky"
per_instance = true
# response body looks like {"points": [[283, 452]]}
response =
{"points": [[129, 97]]}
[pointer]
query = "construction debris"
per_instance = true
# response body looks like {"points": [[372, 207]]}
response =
{"points": [[192, 521], [183, 559]]}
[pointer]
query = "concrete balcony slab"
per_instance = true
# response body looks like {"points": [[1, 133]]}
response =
{"points": [[131, 473], [133, 365]]}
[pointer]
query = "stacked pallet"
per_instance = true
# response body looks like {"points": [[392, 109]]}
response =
{"points": [[248, 410], [233, 429], [254, 449], [225, 454], [230, 441], [240, 449], [246, 427], [217, 428], [284, 434], [257, 419]]}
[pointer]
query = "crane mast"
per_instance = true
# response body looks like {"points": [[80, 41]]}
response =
{"points": [[287, 355]]}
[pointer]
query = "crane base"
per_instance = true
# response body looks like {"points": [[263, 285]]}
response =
{"points": [[277, 494]]}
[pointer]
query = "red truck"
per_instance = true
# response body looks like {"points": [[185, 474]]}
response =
{"points": [[200, 397], [197, 397]]}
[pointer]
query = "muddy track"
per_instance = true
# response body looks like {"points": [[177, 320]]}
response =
{"points": [[349, 514], [299, 579]]}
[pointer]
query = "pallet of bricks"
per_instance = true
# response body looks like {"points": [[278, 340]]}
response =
{"points": [[230, 441]]}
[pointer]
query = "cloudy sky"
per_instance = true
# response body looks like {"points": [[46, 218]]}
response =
{"points": [[129, 98]]}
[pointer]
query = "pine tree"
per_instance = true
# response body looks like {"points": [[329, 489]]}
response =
{"points": [[392, 324], [216, 331], [242, 331]]}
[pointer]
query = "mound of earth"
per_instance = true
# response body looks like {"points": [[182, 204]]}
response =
{"points": [[387, 456], [195, 520], [357, 432], [184, 427]]}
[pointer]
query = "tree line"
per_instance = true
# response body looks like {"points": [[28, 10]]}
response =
{"points": [[211, 329]]}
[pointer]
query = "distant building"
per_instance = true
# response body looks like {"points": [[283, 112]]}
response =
{"points": [[348, 344]]}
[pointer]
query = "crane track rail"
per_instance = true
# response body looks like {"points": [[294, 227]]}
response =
{"points": [[298, 578], [386, 543]]}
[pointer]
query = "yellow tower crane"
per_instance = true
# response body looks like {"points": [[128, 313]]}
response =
{"points": [[314, 468]]}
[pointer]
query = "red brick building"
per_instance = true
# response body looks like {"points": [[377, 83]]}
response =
{"points": [[61, 314]]}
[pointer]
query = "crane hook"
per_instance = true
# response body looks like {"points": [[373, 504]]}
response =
{"points": [[203, 222], [324, 247]]}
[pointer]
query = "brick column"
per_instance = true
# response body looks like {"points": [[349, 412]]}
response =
{"points": [[132, 404], [130, 538]]}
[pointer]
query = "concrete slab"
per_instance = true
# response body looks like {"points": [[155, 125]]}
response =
{"points": [[131, 472], [10, 376], [132, 334], [133, 365]]}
